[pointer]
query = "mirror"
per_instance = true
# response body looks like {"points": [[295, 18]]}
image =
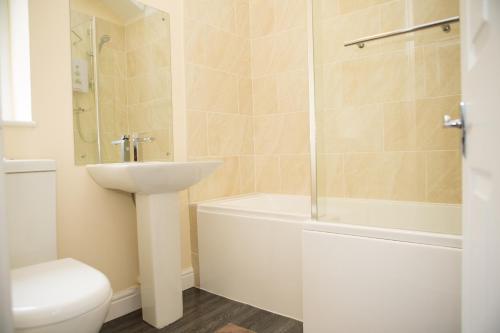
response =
{"points": [[121, 80]]}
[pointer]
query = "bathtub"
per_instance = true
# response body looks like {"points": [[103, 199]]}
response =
{"points": [[250, 250], [340, 275]]}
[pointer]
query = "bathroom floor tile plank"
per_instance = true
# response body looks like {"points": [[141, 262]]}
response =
{"points": [[206, 313], [264, 321]]}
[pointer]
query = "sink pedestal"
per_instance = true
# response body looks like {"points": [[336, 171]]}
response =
{"points": [[156, 186], [158, 234]]}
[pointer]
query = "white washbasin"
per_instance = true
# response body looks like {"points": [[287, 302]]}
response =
{"points": [[156, 186], [151, 177]]}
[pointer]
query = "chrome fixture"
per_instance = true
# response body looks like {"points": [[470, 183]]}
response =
{"points": [[136, 141], [104, 39], [458, 123], [77, 36], [445, 25], [452, 123], [124, 143]]}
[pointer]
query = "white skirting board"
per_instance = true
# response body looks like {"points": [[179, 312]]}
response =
{"points": [[129, 300]]}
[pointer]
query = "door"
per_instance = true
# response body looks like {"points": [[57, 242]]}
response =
{"points": [[481, 95]]}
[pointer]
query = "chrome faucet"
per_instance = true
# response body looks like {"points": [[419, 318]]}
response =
{"points": [[136, 141], [124, 143]]}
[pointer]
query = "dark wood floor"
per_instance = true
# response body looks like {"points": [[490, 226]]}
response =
{"points": [[206, 313]]}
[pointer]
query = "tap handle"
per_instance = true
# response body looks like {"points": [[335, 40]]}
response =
{"points": [[124, 147], [124, 138]]}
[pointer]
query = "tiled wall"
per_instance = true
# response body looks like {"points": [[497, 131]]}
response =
{"points": [[380, 108], [280, 95], [218, 100], [219, 90], [247, 95]]}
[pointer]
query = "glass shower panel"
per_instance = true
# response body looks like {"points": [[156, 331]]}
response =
{"points": [[383, 156]]}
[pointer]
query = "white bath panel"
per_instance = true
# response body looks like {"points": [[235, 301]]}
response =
{"points": [[360, 284], [252, 254]]}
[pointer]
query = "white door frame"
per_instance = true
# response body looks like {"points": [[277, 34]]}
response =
{"points": [[6, 320]]}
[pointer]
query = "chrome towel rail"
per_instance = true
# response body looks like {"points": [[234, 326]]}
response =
{"points": [[445, 24]]}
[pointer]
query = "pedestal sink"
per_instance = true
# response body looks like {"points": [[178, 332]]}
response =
{"points": [[156, 186]]}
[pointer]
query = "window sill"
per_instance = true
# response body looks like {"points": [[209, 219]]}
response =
{"points": [[18, 123]]}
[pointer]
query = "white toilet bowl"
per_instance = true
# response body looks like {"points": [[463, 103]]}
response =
{"points": [[60, 296]]}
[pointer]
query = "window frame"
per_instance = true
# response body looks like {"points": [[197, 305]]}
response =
{"points": [[15, 66]]}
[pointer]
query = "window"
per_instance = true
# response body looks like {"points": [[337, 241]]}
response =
{"points": [[15, 73]]}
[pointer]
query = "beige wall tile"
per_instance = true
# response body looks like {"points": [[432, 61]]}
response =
{"points": [[430, 10], [358, 129], [245, 96], [262, 17], [265, 95], [400, 126], [394, 176], [393, 15], [292, 91], [325, 9], [440, 64], [247, 174], [195, 42], [444, 176], [282, 134], [262, 53], [294, 139], [267, 131], [290, 52], [347, 6], [290, 14], [329, 84], [242, 12], [381, 78], [218, 13], [279, 53], [229, 134], [227, 52], [225, 181], [197, 134], [330, 182], [295, 171], [211, 90], [267, 174]]}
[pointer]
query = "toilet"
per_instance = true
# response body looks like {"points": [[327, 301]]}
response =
{"points": [[49, 295]]}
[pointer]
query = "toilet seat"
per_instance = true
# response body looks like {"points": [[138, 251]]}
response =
{"points": [[56, 291]]}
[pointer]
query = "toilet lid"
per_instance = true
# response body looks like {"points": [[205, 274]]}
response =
{"points": [[56, 291]]}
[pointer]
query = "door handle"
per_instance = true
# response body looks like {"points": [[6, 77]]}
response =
{"points": [[457, 123], [452, 123]]}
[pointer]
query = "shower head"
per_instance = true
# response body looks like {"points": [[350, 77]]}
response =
{"points": [[104, 39]]}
